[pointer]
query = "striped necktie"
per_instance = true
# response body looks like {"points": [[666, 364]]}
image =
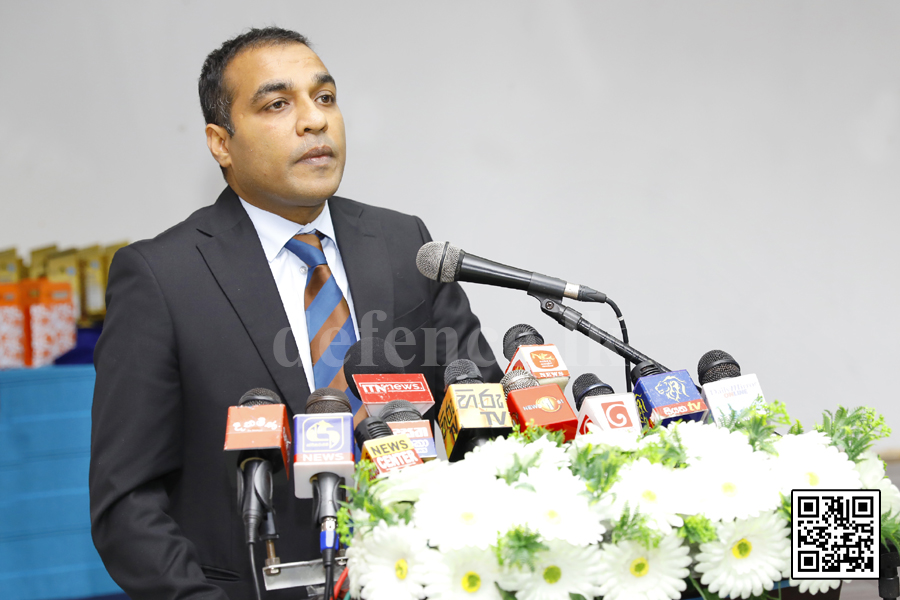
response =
{"points": [[328, 321]]}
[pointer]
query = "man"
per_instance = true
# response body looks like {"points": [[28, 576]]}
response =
{"points": [[227, 301]]}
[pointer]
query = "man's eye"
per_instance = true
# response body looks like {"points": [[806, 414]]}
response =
{"points": [[327, 99], [278, 105]]}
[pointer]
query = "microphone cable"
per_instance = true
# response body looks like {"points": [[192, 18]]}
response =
{"points": [[624, 329], [253, 570]]}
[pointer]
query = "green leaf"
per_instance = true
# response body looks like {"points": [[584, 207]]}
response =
{"points": [[632, 526], [853, 431], [598, 467], [697, 529], [504, 594], [759, 422], [666, 450], [518, 547], [890, 530], [534, 432], [511, 475]]}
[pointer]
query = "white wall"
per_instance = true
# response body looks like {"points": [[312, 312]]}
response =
{"points": [[729, 173]]}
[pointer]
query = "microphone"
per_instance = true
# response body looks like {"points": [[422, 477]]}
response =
{"points": [[375, 374], [473, 412], [440, 261], [524, 348], [322, 462], [258, 431], [544, 405], [723, 387], [597, 403], [665, 397], [387, 450], [402, 417]]}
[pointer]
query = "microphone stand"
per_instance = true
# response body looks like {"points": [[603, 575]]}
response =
{"points": [[573, 320]]}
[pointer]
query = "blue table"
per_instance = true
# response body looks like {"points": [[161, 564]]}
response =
{"points": [[46, 550]]}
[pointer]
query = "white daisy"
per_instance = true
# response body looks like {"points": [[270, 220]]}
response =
{"points": [[704, 442], [804, 462], [456, 512], [492, 458], [655, 491], [624, 439], [630, 571], [731, 487], [407, 485], [561, 570], [558, 508], [870, 469], [814, 586], [392, 563], [749, 556], [890, 497], [468, 574]]}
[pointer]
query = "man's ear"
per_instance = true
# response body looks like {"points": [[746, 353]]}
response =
{"points": [[217, 139]]}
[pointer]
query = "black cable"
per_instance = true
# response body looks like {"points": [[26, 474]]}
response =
{"points": [[329, 583], [253, 570], [624, 329]]}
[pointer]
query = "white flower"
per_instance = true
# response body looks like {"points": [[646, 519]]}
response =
{"points": [[731, 487], [870, 469], [814, 586], [392, 563], [498, 456], [804, 462], [407, 485], [890, 497], [468, 574], [705, 442], [623, 439], [749, 556], [655, 491], [558, 508], [558, 571], [630, 571], [458, 512]]}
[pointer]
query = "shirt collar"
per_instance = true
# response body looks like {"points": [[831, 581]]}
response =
{"points": [[274, 231]]}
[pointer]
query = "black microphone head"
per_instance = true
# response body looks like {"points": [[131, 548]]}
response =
{"points": [[371, 428], [716, 365], [520, 335], [589, 385], [439, 261], [399, 410], [371, 356], [462, 371], [643, 369], [258, 397], [327, 400], [518, 379]]}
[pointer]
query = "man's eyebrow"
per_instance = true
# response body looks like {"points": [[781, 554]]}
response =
{"points": [[323, 79], [278, 85]]}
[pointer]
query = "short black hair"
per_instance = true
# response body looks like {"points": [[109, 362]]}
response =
{"points": [[215, 97]]}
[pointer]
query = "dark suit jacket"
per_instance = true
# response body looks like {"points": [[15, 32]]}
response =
{"points": [[193, 322]]}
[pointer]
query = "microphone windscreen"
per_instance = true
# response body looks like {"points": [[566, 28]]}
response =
{"points": [[518, 379], [371, 428], [371, 356], [589, 385], [258, 397], [438, 261], [643, 369], [399, 410], [462, 371], [520, 335], [327, 400], [716, 365]]}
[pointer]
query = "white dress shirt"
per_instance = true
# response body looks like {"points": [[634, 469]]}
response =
{"points": [[290, 272]]}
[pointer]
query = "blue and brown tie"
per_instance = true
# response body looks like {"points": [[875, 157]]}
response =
{"points": [[328, 321]]}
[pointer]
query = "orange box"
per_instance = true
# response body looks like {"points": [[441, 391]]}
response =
{"points": [[12, 327], [50, 320]]}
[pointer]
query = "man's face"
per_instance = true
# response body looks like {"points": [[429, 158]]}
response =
{"points": [[288, 148]]}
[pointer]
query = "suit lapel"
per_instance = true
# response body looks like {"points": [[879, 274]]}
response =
{"points": [[237, 261], [367, 263]]}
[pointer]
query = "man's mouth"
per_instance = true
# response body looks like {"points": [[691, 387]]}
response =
{"points": [[317, 156]]}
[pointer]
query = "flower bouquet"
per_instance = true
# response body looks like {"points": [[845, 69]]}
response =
{"points": [[611, 514]]}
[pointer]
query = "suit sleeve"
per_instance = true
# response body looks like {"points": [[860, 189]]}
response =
{"points": [[451, 309], [136, 442]]}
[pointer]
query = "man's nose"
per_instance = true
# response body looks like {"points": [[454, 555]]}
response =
{"points": [[311, 118]]}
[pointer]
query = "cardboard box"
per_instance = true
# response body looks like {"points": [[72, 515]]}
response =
{"points": [[38, 265], [11, 266], [50, 320], [13, 342]]}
